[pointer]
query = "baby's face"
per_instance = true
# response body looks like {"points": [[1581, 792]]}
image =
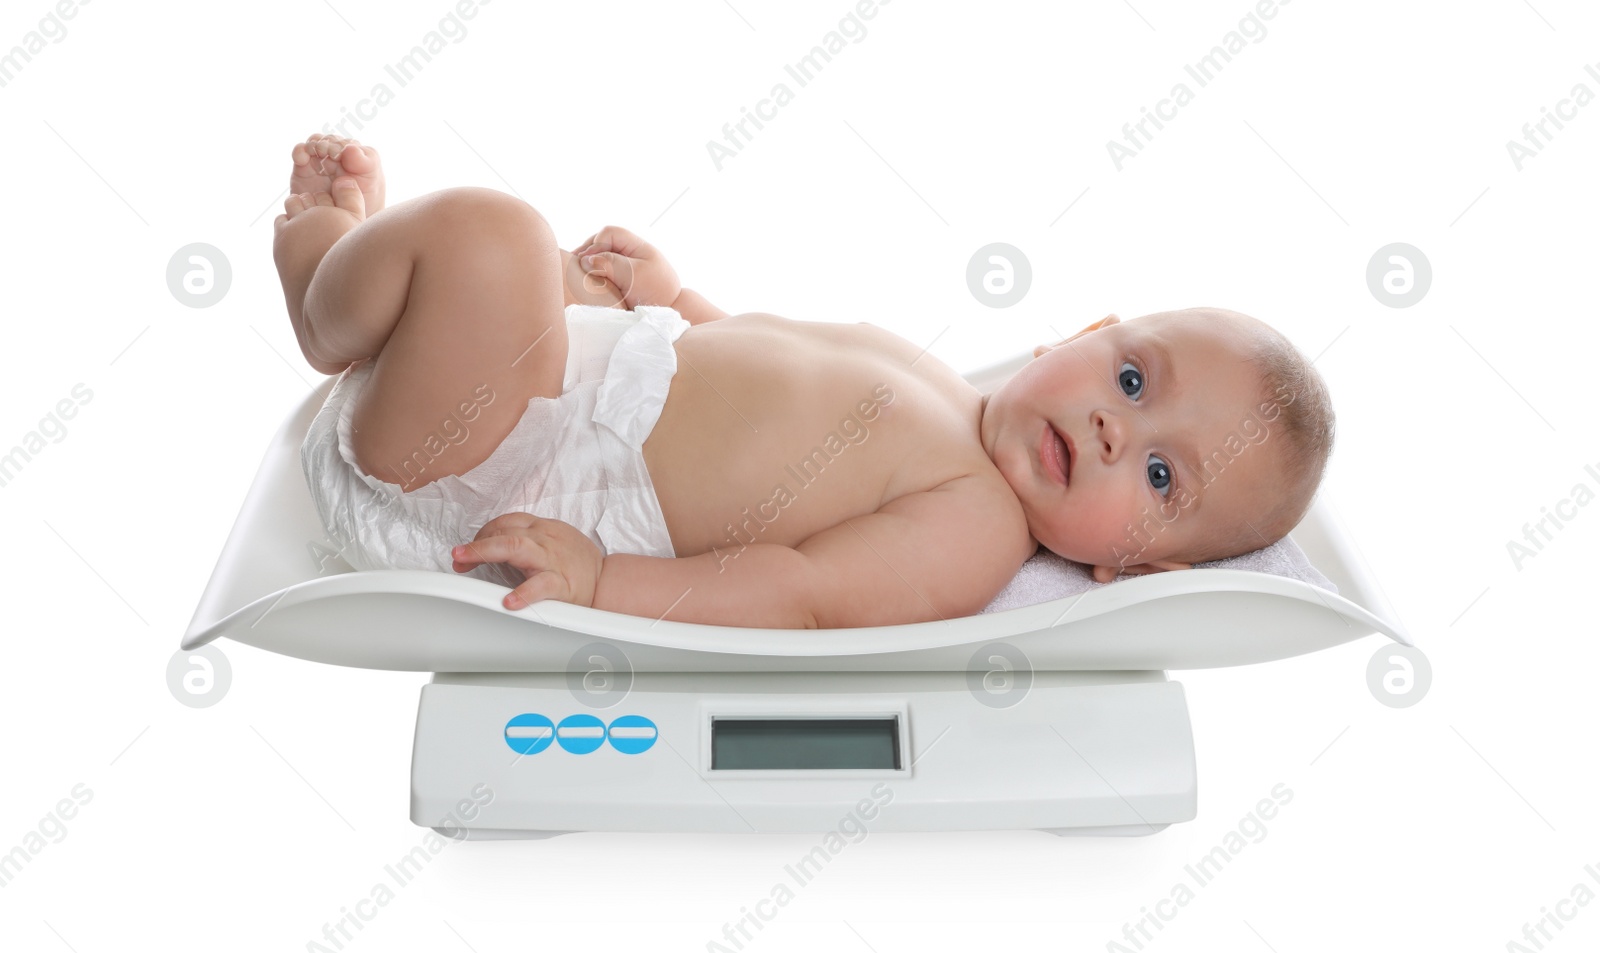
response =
{"points": [[1143, 405]]}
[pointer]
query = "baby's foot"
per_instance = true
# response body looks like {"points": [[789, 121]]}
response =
{"points": [[345, 195], [320, 160]]}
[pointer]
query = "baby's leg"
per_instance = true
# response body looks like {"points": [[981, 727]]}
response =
{"points": [[445, 293]]}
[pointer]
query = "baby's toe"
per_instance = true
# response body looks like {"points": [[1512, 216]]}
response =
{"points": [[328, 146], [347, 195], [324, 198], [357, 159]]}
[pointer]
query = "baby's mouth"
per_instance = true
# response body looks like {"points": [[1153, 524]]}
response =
{"points": [[1060, 450]]}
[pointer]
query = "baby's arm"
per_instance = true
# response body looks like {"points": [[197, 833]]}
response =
{"points": [[940, 554], [594, 288], [762, 586], [695, 308], [944, 553], [641, 274]]}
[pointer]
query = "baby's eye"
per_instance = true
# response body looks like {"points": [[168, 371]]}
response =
{"points": [[1131, 380], [1159, 473]]}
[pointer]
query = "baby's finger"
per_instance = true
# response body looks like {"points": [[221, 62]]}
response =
{"points": [[599, 241], [617, 268], [473, 553], [614, 238], [517, 550], [603, 240], [544, 584], [515, 520]]}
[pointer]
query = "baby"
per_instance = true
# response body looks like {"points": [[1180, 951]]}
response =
{"points": [[613, 440]]}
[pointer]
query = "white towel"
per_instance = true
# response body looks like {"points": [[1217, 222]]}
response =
{"points": [[1046, 576]]}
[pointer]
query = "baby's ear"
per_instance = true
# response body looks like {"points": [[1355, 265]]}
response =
{"points": [[1109, 319]]}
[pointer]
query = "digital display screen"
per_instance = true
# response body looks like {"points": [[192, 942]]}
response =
{"points": [[752, 744]]}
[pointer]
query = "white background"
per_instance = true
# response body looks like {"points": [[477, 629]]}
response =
{"points": [[249, 825]]}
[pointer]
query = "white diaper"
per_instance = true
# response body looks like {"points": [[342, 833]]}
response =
{"points": [[575, 458]]}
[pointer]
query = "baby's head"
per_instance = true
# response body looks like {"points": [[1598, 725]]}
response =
{"points": [[1195, 435]]}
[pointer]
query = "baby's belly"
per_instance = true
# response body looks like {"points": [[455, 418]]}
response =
{"points": [[775, 430]]}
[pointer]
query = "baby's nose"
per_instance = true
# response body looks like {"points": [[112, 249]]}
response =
{"points": [[1110, 431]]}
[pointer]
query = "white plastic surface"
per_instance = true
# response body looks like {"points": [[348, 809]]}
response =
{"points": [[1087, 752], [278, 586]]}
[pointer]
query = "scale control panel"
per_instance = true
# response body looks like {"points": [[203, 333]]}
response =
{"points": [[721, 754], [750, 738]]}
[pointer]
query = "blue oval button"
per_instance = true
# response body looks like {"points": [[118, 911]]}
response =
{"points": [[581, 734], [632, 734], [529, 734]]}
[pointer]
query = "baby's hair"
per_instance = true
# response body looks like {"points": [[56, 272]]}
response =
{"points": [[1302, 434]]}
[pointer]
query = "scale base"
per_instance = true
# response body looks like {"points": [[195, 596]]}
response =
{"points": [[1076, 753]]}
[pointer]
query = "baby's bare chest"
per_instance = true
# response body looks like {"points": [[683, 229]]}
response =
{"points": [[775, 430]]}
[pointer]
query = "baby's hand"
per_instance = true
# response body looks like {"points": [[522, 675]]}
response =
{"points": [[632, 264], [559, 561]]}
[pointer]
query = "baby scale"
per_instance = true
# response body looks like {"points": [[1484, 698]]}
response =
{"points": [[558, 718]]}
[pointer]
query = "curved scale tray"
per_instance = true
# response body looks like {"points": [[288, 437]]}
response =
{"points": [[277, 586]]}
